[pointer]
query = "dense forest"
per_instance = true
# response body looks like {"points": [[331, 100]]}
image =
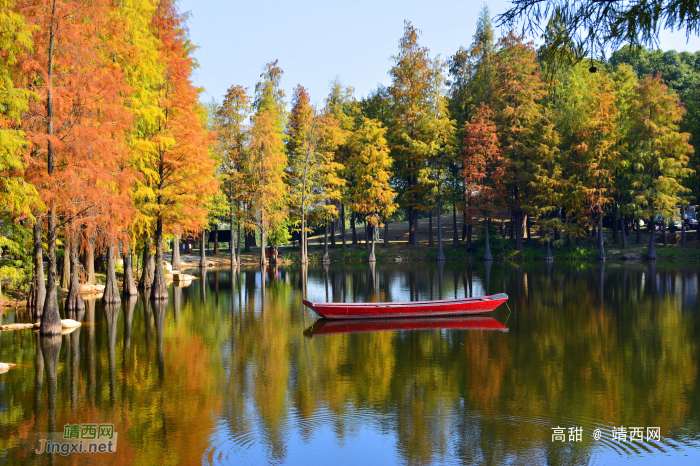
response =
{"points": [[105, 146]]}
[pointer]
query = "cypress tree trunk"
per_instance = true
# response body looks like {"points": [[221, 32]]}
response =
{"points": [[440, 254], [325, 258], [65, 278], [411, 230], [614, 223], [415, 228], [663, 225], [74, 302], [623, 233], [371, 254], [111, 293], [263, 260], [159, 290], [232, 243], [238, 242], [146, 279], [469, 236], [651, 254], [342, 224], [90, 261], [50, 319], [333, 234], [455, 236], [526, 222], [40, 284], [354, 228], [601, 249], [128, 285], [176, 253], [683, 240], [518, 230], [386, 233], [216, 239], [639, 230], [464, 226], [431, 243], [202, 249], [487, 246]]}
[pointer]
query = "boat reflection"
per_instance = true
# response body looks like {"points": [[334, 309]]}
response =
{"points": [[328, 327]]}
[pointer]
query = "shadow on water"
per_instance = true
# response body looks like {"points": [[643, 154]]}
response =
{"points": [[232, 376]]}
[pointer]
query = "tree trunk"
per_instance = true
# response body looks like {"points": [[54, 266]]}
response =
{"points": [[487, 246], [415, 228], [601, 248], [410, 225], [431, 243], [663, 225], [651, 254], [464, 226], [232, 243], [263, 260], [683, 240], [75, 302], [455, 235], [40, 284], [216, 239], [469, 236], [333, 234], [159, 290], [111, 292], [202, 249], [146, 279], [342, 224], [128, 285], [614, 223], [354, 228], [623, 233], [440, 254], [65, 278], [238, 242], [50, 319], [518, 230], [303, 254], [526, 225], [176, 253], [325, 258], [639, 230], [386, 233], [372, 258], [90, 262], [548, 257]]}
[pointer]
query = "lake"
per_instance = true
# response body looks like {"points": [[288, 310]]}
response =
{"points": [[581, 362]]}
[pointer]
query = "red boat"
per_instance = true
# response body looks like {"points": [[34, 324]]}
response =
{"points": [[442, 308], [329, 327]]}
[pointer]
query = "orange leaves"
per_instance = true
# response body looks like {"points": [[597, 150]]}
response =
{"points": [[484, 165]]}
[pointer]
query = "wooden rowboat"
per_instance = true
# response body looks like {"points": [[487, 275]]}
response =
{"points": [[329, 327], [442, 308]]}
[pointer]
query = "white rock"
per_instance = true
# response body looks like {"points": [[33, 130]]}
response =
{"points": [[16, 326], [4, 367], [70, 323]]}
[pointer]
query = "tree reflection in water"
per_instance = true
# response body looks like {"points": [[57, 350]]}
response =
{"points": [[231, 377]]}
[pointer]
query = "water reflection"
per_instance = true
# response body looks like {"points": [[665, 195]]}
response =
{"points": [[232, 378]]}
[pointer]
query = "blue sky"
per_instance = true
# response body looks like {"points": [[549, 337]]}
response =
{"points": [[315, 41]]}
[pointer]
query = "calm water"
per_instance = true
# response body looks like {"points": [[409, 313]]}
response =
{"points": [[224, 373]]}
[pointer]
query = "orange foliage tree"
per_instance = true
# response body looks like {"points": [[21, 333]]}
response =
{"points": [[76, 123], [181, 162]]}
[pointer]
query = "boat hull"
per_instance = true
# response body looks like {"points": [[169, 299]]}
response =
{"points": [[442, 308], [331, 327]]}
